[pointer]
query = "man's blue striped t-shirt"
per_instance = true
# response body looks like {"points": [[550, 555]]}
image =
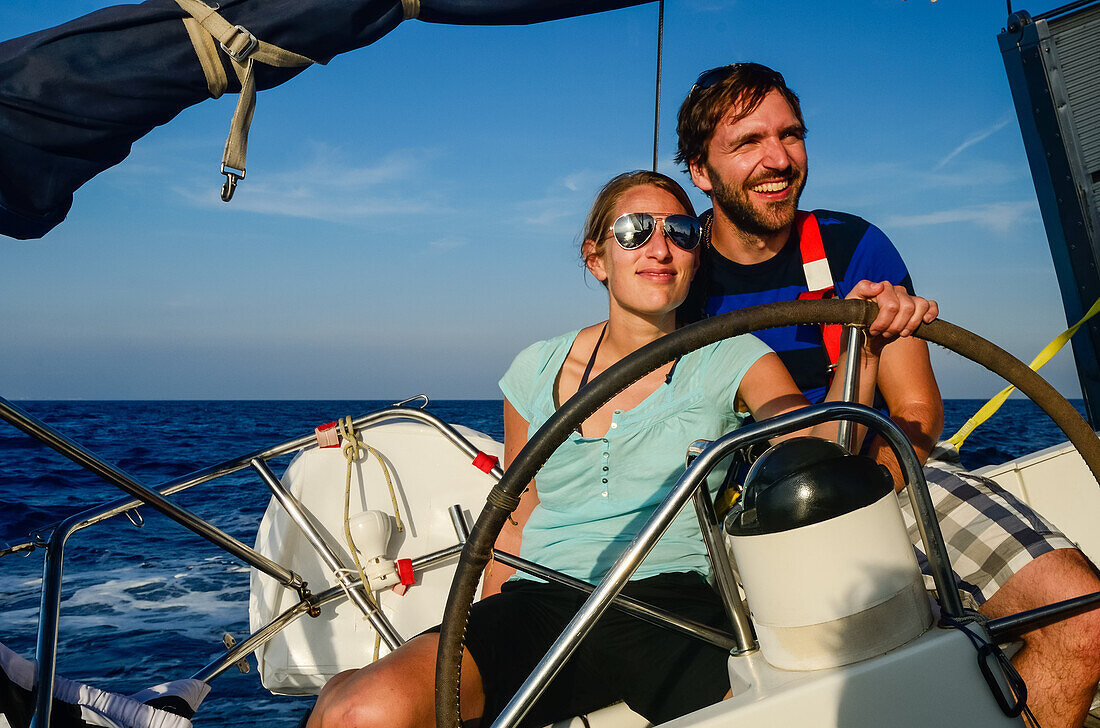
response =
{"points": [[856, 250]]}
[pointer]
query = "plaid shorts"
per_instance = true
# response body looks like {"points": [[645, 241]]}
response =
{"points": [[990, 534]]}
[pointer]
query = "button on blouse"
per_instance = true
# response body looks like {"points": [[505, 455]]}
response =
{"points": [[595, 493]]}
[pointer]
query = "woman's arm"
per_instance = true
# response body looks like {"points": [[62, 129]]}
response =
{"points": [[768, 390], [515, 437]]}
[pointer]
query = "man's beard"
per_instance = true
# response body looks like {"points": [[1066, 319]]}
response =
{"points": [[749, 218]]}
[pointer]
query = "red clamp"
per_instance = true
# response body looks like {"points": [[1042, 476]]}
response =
{"points": [[326, 435], [485, 463], [405, 574]]}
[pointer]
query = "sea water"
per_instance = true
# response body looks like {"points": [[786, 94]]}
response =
{"points": [[146, 605]]}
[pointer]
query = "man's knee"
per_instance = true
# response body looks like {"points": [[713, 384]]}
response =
{"points": [[368, 698], [1078, 577], [394, 692], [1055, 576], [358, 713]]}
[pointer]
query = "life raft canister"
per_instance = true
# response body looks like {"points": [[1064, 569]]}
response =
{"points": [[824, 557]]}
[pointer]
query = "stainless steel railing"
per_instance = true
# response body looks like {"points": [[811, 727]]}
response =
{"points": [[49, 615], [692, 479]]}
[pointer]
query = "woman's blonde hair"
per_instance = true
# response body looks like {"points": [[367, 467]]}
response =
{"points": [[599, 218]]}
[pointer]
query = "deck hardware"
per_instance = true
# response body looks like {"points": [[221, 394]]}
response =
{"points": [[230, 642], [459, 521], [1005, 683], [306, 597], [725, 582], [135, 517], [23, 549], [412, 399], [845, 434]]}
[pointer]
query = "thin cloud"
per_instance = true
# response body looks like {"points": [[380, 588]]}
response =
{"points": [[551, 212], [327, 187], [560, 206], [875, 187], [1000, 217], [971, 141], [447, 243], [580, 180], [567, 200], [990, 172]]}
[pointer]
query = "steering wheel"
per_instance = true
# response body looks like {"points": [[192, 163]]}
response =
{"points": [[504, 497]]}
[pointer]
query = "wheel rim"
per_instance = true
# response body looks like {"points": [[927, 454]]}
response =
{"points": [[504, 497]]}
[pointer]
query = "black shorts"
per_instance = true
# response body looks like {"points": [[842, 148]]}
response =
{"points": [[660, 674]]}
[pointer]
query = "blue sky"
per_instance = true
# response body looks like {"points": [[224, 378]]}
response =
{"points": [[411, 212]]}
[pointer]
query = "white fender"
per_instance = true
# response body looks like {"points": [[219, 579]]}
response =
{"points": [[429, 475]]}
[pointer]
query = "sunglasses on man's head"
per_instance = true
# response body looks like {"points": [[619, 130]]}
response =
{"points": [[634, 229], [713, 77]]}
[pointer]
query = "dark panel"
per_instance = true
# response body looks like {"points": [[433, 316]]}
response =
{"points": [[1035, 78]]}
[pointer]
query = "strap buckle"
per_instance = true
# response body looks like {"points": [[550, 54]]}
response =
{"points": [[230, 184], [240, 36]]}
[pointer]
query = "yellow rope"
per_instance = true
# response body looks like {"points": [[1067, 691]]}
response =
{"points": [[1045, 355], [353, 449], [351, 454], [347, 431]]}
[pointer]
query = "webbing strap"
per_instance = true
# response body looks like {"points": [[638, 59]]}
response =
{"points": [[243, 50], [411, 8], [819, 279], [1037, 363], [237, 42], [207, 51], [814, 264]]}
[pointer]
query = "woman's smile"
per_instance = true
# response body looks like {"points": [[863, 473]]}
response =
{"points": [[658, 275]]}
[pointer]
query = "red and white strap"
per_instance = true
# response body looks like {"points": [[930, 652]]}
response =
{"points": [[819, 278]]}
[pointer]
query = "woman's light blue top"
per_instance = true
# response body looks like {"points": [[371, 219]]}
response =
{"points": [[595, 493]]}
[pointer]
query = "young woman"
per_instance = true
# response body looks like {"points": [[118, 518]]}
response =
{"points": [[596, 491]]}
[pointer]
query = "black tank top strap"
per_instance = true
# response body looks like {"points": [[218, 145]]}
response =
{"points": [[592, 359]]}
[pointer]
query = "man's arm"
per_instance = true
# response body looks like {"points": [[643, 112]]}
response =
{"points": [[909, 387]]}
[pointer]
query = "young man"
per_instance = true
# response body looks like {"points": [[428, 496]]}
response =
{"points": [[741, 136]]}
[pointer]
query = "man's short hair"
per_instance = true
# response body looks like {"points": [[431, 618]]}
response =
{"points": [[743, 85]]}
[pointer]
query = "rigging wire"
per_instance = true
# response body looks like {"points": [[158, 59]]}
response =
{"points": [[657, 90]]}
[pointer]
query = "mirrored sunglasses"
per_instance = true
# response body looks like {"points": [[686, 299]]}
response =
{"points": [[634, 229]]}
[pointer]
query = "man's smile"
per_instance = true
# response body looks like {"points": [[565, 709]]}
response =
{"points": [[771, 186]]}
